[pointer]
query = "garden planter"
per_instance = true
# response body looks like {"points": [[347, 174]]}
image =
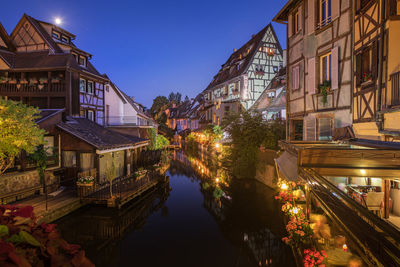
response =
{"points": [[85, 189]]}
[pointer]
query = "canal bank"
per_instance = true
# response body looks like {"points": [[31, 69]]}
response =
{"points": [[181, 224]]}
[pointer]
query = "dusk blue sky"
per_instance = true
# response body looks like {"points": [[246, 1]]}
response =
{"points": [[151, 48]]}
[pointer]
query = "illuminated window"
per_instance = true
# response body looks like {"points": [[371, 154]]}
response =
{"points": [[325, 68], [90, 115]]}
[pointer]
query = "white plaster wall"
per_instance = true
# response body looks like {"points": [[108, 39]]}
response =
{"points": [[116, 106]]}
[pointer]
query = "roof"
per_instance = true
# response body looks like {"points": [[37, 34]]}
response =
{"points": [[46, 114], [94, 134], [6, 38], [240, 60], [44, 60], [135, 106], [283, 14], [279, 101]]}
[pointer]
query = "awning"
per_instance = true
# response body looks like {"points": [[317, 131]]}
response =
{"points": [[287, 166]]}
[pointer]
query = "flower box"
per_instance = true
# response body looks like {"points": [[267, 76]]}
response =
{"points": [[23, 81], [12, 81], [259, 73]]}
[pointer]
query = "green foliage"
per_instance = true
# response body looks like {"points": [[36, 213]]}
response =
{"points": [[40, 158], [324, 89], [157, 141], [191, 145], [248, 131], [218, 193], [18, 131], [177, 98], [160, 104], [161, 142], [166, 131], [213, 133]]}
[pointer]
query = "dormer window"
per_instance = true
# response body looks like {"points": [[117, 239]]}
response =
{"points": [[55, 35], [64, 39], [82, 61]]}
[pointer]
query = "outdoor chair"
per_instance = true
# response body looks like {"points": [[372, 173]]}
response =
{"points": [[373, 202]]}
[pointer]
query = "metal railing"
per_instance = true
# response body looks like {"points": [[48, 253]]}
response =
{"points": [[377, 240], [127, 121]]}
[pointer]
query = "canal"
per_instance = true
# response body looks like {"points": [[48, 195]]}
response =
{"points": [[181, 223]]}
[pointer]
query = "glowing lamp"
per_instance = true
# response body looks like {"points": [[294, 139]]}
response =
{"points": [[284, 186], [363, 172], [345, 247], [217, 145], [217, 180]]}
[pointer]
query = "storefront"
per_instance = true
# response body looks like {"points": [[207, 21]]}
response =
{"points": [[352, 192]]}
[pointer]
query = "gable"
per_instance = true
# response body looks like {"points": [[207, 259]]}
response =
{"points": [[3, 65], [2, 43], [27, 38]]}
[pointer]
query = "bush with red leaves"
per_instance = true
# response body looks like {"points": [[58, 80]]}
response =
{"points": [[31, 244]]}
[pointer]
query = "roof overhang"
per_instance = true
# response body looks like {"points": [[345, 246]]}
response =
{"points": [[282, 15], [346, 159], [104, 151]]}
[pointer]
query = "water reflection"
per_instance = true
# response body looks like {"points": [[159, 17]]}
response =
{"points": [[182, 223]]}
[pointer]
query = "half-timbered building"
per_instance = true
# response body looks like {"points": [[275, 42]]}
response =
{"points": [[319, 56], [376, 93], [244, 76], [41, 66]]}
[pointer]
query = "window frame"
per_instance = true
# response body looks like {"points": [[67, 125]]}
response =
{"points": [[327, 11], [56, 35], [90, 112], [329, 67], [80, 85], [295, 79], [296, 21], [332, 121], [84, 61], [87, 87]]}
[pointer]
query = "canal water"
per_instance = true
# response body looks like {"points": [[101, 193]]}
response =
{"points": [[180, 223]]}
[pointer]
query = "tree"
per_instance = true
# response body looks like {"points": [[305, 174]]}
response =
{"points": [[157, 141], [178, 98], [157, 110], [18, 131]]}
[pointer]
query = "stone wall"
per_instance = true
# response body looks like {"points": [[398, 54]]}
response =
{"points": [[17, 181]]}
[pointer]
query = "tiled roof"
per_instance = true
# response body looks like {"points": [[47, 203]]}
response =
{"points": [[96, 135], [239, 61]]}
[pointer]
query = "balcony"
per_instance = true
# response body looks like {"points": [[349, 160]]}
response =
{"points": [[10, 87]]}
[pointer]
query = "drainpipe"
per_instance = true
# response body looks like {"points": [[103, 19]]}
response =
{"points": [[379, 118]]}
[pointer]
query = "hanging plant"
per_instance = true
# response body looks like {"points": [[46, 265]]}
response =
{"points": [[3, 79], [324, 88], [43, 80]]}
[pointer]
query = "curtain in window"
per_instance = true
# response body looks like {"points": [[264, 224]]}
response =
{"points": [[87, 161], [69, 159]]}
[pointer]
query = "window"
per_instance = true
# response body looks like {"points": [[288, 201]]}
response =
{"points": [[107, 88], [296, 22], [49, 145], [325, 68], [226, 90], [325, 126], [296, 77], [366, 64], [90, 88], [395, 81], [276, 69], [366, 67], [297, 130], [82, 61], [75, 56], [65, 39], [325, 12], [90, 115], [69, 159], [55, 35], [82, 85]]}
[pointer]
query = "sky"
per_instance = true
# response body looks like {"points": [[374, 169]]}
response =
{"points": [[150, 48]]}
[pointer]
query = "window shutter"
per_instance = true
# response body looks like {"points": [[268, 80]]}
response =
{"points": [[358, 69], [374, 68], [290, 25], [335, 68], [301, 75], [310, 129], [311, 76], [311, 17], [335, 8], [300, 18]]}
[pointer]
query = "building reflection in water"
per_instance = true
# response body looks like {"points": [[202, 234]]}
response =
{"points": [[100, 229], [246, 212]]}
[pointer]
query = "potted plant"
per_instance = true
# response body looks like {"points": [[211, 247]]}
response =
{"points": [[12, 81], [367, 76], [55, 80], [324, 88], [33, 81], [43, 80], [41, 86], [23, 81], [85, 181]]}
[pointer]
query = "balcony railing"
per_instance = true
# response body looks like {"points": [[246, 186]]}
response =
{"points": [[7, 87], [127, 121]]}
